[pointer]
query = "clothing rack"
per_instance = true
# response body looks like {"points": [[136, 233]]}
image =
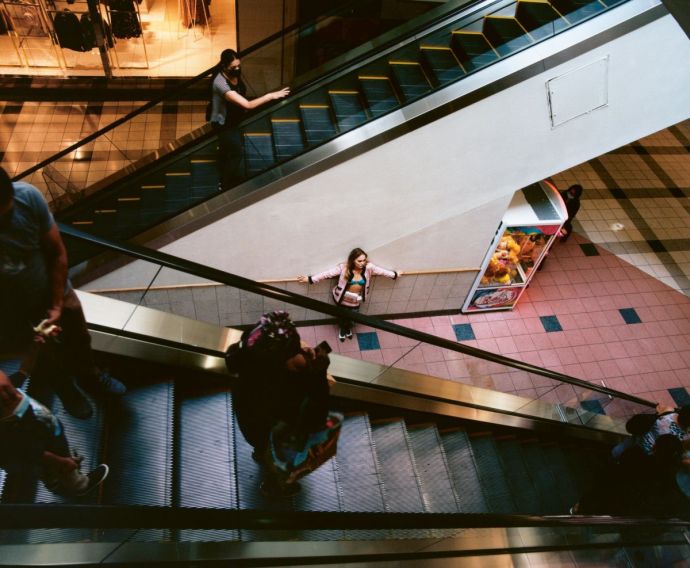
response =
{"points": [[7, 31], [191, 13], [124, 26], [29, 23]]}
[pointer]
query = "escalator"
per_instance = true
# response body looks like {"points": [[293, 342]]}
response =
{"points": [[282, 141], [426, 463], [172, 441]]}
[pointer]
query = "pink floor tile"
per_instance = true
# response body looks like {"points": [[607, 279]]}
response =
{"points": [[373, 356], [388, 339], [584, 353], [542, 341], [482, 330], [507, 345], [550, 359], [392, 354], [458, 368], [432, 354], [439, 369]]}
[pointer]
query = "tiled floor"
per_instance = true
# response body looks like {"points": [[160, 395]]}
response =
{"points": [[611, 305], [33, 131], [594, 317], [636, 204]]}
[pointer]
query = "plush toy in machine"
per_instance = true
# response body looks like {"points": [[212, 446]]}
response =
{"points": [[490, 272], [502, 275], [508, 250]]}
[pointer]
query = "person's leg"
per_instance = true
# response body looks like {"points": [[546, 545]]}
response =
{"points": [[229, 157], [62, 469], [345, 325], [75, 350]]}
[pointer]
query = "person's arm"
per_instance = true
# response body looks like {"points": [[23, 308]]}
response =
{"points": [[378, 271], [235, 98], [314, 278], [55, 256]]}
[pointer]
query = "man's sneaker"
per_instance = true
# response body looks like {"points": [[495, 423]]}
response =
{"points": [[74, 401], [341, 335], [93, 479], [105, 383], [349, 334]]}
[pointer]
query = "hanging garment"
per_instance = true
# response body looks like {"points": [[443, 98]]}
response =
{"points": [[124, 19], [88, 31], [68, 30], [5, 22]]}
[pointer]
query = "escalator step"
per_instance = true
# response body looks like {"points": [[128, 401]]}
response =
{"points": [[577, 10], [402, 486], [139, 452], [204, 178], [442, 64], [505, 34], [432, 466], [566, 485], [258, 151], [543, 477], [287, 133], [359, 474], [462, 465], [318, 126], [347, 109], [178, 187], [492, 474], [379, 94], [411, 79], [473, 50], [205, 460], [525, 493], [539, 18]]}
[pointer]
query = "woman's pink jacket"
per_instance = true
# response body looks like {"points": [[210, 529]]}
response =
{"points": [[340, 270]]}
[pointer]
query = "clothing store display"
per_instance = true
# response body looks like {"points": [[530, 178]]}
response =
{"points": [[68, 31], [124, 19], [88, 31], [194, 12], [5, 22], [26, 18]]}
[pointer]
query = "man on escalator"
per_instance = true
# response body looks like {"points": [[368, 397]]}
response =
{"points": [[33, 442], [35, 291]]}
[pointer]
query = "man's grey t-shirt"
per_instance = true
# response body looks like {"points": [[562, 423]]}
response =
{"points": [[24, 280]]}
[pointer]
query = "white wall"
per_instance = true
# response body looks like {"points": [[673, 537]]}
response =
{"points": [[433, 198]]}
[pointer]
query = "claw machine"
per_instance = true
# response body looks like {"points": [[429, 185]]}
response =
{"points": [[529, 228]]}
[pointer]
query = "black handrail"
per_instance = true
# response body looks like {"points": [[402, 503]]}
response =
{"points": [[140, 517], [213, 274], [169, 94]]}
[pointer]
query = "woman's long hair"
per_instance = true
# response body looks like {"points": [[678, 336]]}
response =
{"points": [[354, 254], [227, 56]]}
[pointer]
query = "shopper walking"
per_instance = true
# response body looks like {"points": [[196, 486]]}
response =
{"points": [[354, 280], [229, 102]]}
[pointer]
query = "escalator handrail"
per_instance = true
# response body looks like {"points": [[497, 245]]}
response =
{"points": [[26, 516], [215, 275], [167, 96]]}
